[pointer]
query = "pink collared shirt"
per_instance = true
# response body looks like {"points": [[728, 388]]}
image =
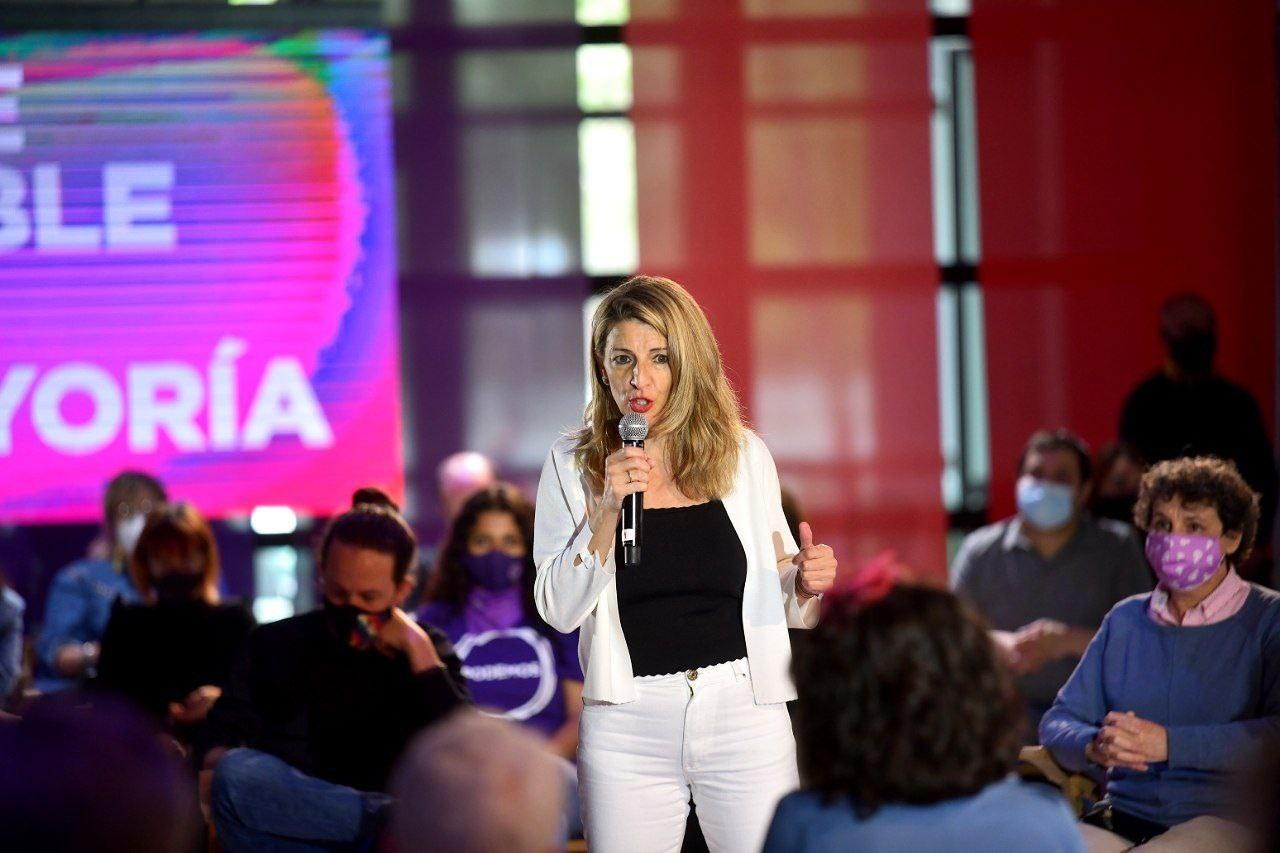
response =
{"points": [[1223, 603]]}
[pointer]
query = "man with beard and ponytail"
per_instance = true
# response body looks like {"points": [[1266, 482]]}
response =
{"points": [[1187, 408], [321, 705], [81, 595], [1045, 578]]}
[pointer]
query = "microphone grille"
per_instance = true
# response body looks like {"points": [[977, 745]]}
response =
{"points": [[633, 427]]}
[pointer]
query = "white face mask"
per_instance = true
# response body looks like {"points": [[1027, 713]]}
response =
{"points": [[128, 529], [1047, 505]]}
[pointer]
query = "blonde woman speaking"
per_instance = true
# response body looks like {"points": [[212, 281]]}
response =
{"points": [[686, 654]]}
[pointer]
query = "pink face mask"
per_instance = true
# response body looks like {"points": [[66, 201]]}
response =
{"points": [[1181, 561]]}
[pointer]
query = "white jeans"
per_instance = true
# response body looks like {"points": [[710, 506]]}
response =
{"points": [[699, 732]]}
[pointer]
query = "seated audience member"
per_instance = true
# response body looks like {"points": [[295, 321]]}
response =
{"points": [[1181, 686], [74, 779], [79, 602], [1115, 483], [11, 608], [482, 598], [172, 653], [1045, 577], [321, 705], [907, 730], [475, 784]]}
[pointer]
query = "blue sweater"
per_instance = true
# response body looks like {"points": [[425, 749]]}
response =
{"points": [[1010, 816], [1215, 688]]}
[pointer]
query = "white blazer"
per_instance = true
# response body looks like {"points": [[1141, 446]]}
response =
{"points": [[574, 590]]}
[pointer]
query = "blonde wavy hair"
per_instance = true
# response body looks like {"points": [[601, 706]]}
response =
{"points": [[701, 421]]}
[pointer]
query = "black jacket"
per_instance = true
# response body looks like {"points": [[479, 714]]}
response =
{"points": [[329, 710], [157, 654]]}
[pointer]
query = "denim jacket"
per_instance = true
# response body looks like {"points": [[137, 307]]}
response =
{"points": [[77, 611]]}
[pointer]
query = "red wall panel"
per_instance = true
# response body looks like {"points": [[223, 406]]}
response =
{"points": [[1126, 153], [783, 176]]}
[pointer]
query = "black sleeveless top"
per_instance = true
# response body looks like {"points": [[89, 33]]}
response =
{"points": [[681, 607]]}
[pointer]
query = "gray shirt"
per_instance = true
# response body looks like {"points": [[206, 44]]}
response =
{"points": [[999, 571]]}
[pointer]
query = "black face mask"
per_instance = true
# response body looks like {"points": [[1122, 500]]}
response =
{"points": [[1117, 507], [353, 626], [1193, 352], [177, 587]]}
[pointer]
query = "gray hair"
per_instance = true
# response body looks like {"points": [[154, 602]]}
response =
{"points": [[477, 784]]}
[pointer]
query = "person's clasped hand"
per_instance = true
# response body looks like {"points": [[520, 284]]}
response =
{"points": [[1127, 740]]}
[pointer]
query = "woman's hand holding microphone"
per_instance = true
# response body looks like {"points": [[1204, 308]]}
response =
{"points": [[626, 472]]}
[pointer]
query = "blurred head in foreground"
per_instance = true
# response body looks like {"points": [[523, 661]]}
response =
{"points": [[100, 779], [902, 700], [477, 784]]}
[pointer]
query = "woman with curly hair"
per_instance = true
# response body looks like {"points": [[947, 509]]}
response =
{"points": [[908, 730], [686, 651], [1181, 686]]}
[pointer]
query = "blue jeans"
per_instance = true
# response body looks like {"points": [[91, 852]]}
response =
{"points": [[260, 803]]}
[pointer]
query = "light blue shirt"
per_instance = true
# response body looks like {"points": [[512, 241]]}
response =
{"points": [[1011, 816]]}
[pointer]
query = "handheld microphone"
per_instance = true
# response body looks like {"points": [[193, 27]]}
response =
{"points": [[633, 428]]}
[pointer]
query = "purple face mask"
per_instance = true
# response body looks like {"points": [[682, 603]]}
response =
{"points": [[493, 570], [1181, 561]]}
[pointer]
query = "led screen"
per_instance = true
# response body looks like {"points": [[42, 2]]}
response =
{"points": [[197, 272]]}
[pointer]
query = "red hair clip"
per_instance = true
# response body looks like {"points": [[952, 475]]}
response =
{"points": [[874, 579]]}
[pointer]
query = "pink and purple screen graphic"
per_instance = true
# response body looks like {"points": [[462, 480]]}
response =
{"points": [[197, 270]]}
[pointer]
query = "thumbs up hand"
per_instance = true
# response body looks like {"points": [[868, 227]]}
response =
{"points": [[816, 565]]}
